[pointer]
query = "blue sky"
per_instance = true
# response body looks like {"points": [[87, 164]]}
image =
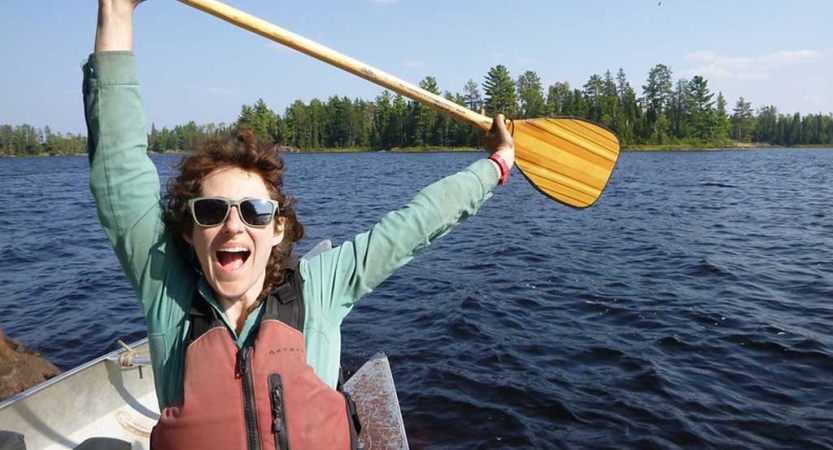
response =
{"points": [[195, 67]]}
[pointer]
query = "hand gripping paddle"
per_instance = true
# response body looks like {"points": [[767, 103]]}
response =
{"points": [[565, 158]]}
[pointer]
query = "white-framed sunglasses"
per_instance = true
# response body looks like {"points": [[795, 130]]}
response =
{"points": [[213, 211]]}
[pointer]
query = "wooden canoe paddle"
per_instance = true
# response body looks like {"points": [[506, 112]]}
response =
{"points": [[565, 158]]}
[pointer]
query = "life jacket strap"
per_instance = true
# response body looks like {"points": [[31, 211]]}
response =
{"points": [[284, 303], [352, 411], [202, 317]]}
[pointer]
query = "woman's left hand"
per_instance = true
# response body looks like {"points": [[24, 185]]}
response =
{"points": [[499, 140]]}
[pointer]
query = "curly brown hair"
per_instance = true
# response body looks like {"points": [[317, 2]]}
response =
{"points": [[243, 150]]}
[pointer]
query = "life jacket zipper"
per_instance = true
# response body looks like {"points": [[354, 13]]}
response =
{"points": [[244, 367], [279, 425]]}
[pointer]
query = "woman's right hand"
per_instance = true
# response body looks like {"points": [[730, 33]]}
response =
{"points": [[115, 25]]}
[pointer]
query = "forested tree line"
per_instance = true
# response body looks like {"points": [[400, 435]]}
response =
{"points": [[682, 112], [26, 140]]}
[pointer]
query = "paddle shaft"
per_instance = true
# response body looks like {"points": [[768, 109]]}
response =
{"points": [[344, 62], [566, 159]]}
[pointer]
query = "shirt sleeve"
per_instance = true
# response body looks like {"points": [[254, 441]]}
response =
{"points": [[125, 185], [336, 279]]}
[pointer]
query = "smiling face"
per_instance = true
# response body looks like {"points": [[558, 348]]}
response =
{"points": [[233, 256]]}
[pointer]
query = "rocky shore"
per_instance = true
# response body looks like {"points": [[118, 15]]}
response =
{"points": [[21, 368]]}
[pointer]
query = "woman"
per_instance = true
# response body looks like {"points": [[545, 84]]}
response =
{"points": [[218, 254]]}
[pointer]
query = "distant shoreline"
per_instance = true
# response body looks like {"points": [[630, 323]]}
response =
{"points": [[630, 148], [692, 147]]}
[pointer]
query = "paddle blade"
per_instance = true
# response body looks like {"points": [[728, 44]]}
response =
{"points": [[566, 158]]}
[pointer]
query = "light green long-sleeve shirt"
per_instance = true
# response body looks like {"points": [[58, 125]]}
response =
{"points": [[125, 185]]}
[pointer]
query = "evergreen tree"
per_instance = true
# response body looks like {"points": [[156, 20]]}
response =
{"points": [[362, 120], [381, 137], [531, 96], [319, 119], [657, 94], [766, 127], [6, 139], [471, 96], [826, 135], [679, 110], [500, 92], [817, 127], [622, 85], [610, 107], [442, 126], [558, 96], [298, 125], [593, 90], [425, 119], [721, 132], [280, 132], [659, 132], [399, 122], [794, 137], [576, 105], [742, 121], [626, 123], [338, 130], [260, 119], [703, 117], [153, 139]]}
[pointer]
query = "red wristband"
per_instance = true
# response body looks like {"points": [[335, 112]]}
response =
{"points": [[504, 168]]}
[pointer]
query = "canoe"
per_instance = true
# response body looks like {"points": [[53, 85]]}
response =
{"points": [[103, 398]]}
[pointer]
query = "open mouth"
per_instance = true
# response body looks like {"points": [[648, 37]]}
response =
{"points": [[232, 258]]}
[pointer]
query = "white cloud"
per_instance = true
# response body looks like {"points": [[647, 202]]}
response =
{"points": [[712, 65], [783, 58]]}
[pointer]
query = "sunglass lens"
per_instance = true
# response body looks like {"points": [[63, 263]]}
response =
{"points": [[256, 212], [210, 211]]}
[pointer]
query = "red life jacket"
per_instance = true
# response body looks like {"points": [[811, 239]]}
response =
{"points": [[263, 396]]}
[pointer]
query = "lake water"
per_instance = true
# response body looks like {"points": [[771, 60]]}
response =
{"points": [[691, 307]]}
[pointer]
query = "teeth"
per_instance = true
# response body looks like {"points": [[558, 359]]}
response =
{"points": [[234, 249]]}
